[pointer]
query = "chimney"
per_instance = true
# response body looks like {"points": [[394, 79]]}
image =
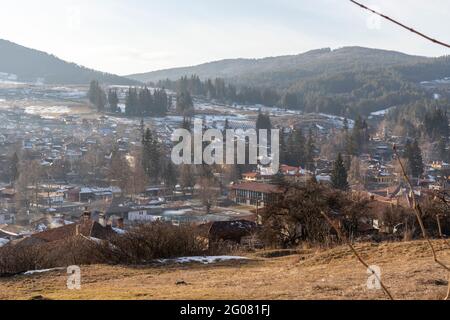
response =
{"points": [[102, 219], [86, 215], [120, 223]]}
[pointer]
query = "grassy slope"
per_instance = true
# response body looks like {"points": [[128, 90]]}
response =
{"points": [[407, 268]]}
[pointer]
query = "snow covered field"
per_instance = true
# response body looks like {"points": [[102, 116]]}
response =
{"points": [[47, 110]]}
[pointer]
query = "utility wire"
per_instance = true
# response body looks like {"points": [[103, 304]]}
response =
{"points": [[402, 25]]}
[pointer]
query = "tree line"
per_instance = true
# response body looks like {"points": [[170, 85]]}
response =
{"points": [[347, 94], [139, 102], [219, 90]]}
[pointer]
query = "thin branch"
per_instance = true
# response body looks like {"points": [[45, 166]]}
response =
{"points": [[419, 213], [358, 256], [441, 197], [441, 235], [401, 25], [448, 289]]}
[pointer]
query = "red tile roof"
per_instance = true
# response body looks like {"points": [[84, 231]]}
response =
{"points": [[88, 228], [284, 168], [258, 187], [250, 174]]}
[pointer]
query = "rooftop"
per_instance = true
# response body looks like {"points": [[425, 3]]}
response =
{"points": [[258, 187]]}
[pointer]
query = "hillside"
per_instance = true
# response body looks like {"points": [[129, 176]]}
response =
{"points": [[287, 70], [407, 270], [30, 65], [347, 82]]}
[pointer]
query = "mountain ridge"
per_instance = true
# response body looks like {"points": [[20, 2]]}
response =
{"points": [[30, 65], [309, 61]]}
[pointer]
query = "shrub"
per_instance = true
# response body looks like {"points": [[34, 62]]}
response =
{"points": [[139, 245], [296, 217], [157, 240]]}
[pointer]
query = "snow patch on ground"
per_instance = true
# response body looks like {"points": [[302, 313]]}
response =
{"points": [[40, 110], [203, 260], [337, 120], [31, 272], [381, 113]]}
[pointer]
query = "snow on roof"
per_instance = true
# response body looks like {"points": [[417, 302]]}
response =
{"points": [[100, 190], [9, 233], [323, 178]]}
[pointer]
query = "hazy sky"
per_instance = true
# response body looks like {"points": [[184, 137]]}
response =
{"points": [[129, 36]]}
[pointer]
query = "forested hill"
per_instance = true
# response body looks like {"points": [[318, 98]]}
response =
{"points": [[284, 71], [349, 81], [31, 65]]}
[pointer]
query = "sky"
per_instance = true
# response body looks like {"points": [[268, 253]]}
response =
{"points": [[133, 36]]}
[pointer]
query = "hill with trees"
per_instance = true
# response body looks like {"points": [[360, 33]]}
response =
{"points": [[284, 71], [29, 65], [348, 82]]}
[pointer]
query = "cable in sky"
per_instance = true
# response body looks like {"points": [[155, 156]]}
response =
{"points": [[402, 25]]}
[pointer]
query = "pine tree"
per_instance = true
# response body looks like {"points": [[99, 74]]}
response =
{"points": [[158, 103], [360, 136], [113, 100], [283, 147], [442, 149], [309, 151], [119, 170], [289, 100], [296, 147], [185, 105], [151, 156], [145, 103], [436, 124], [414, 156], [93, 91], [170, 176], [263, 122], [350, 145], [142, 128], [339, 174], [187, 179], [345, 125], [132, 103], [14, 168], [97, 96], [226, 125]]}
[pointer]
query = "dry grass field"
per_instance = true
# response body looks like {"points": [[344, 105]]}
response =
{"points": [[407, 270]]}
